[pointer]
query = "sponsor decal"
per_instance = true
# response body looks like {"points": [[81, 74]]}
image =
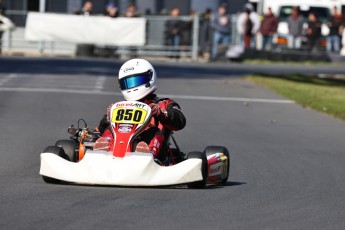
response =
{"points": [[127, 125], [224, 171], [216, 169], [218, 164], [137, 105], [128, 69], [125, 129]]}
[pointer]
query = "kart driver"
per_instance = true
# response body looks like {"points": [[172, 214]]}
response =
{"points": [[138, 82]]}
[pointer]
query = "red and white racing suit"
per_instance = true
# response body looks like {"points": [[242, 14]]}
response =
{"points": [[168, 117]]}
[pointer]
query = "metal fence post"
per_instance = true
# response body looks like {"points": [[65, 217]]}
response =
{"points": [[195, 45], [236, 36], [9, 40], [41, 44]]}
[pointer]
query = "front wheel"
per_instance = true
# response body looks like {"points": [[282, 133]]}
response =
{"points": [[199, 184], [70, 148], [220, 149], [57, 151]]}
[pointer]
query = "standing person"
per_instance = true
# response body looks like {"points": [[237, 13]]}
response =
{"points": [[109, 51], [85, 49], [187, 30], [313, 32], [247, 29], [268, 28], [2, 8], [173, 29], [295, 26], [248, 18], [205, 28], [2, 12], [221, 25], [334, 24], [111, 11], [131, 11], [5, 24], [86, 10], [255, 20]]}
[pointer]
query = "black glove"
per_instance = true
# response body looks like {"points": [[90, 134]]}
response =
{"points": [[155, 110], [158, 113]]}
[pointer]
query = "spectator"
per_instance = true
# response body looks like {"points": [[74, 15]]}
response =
{"points": [[5, 24], [295, 26], [111, 11], [174, 28], [85, 49], [2, 8], [205, 28], [187, 27], [2, 12], [335, 25], [221, 24], [86, 10], [247, 29], [242, 20], [268, 28], [109, 51], [131, 11], [313, 32]]}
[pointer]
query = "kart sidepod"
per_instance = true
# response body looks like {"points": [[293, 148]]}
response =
{"points": [[135, 169]]}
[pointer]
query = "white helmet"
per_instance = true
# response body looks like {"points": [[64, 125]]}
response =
{"points": [[137, 79]]}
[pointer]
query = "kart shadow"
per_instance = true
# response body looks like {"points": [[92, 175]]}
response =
{"points": [[227, 184], [209, 186]]}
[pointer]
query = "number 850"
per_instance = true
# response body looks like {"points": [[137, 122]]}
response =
{"points": [[127, 115]]}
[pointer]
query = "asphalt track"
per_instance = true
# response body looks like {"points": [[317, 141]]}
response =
{"points": [[287, 162]]}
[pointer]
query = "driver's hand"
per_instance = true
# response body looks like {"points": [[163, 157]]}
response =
{"points": [[155, 110]]}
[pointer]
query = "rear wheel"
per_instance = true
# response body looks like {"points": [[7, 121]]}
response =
{"points": [[199, 184], [219, 149], [57, 151], [70, 148]]}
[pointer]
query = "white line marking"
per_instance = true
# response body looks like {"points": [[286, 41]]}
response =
{"points": [[187, 97], [99, 84], [7, 78], [54, 78], [240, 99]]}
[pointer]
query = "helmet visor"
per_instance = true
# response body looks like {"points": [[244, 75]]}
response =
{"points": [[135, 80]]}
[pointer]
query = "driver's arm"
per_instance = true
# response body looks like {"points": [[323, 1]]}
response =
{"points": [[169, 114]]}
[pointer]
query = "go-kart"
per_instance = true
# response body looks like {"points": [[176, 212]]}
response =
{"points": [[88, 158]]}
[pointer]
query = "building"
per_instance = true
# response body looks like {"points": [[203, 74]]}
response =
{"points": [[18, 9]]}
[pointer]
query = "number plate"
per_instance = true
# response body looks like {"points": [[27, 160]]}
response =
{"points": [[129, 116]]}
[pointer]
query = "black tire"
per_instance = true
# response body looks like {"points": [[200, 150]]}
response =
{"points": [[70, 148], [58, 151], [204, 169], [219, 149]]}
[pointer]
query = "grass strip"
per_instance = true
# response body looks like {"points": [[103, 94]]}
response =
{"points": [[326, 95]]}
